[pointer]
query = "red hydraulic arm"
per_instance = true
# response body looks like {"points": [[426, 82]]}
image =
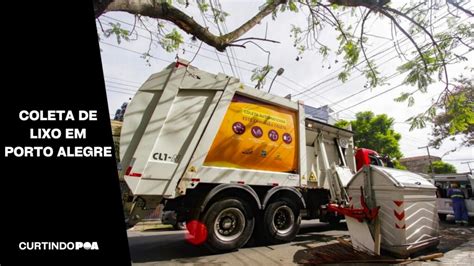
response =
{"points": [[360, 214]]}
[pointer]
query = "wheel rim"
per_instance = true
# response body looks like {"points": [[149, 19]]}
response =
{"points": [[283, 220], [230, 224]]}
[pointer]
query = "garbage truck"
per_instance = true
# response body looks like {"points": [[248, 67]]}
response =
{"points": [[240, 162]]}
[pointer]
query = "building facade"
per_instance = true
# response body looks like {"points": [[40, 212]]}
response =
{"points": [[419, 164]]}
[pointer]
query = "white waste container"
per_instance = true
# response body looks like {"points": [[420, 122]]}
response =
{"points": [[408, 214]]}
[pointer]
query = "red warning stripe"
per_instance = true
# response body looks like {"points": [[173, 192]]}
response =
{"points": [[399, 216], [398, 202], [397, 226]]}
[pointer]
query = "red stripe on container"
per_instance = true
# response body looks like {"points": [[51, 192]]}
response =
{"points": [[398, 202], [398, 227], [399, 216]]}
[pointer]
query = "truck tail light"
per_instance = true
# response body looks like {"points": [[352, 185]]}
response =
{"points": [[129, 169]]}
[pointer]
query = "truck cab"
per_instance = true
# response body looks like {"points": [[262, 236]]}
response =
{"points": [[365, 156]]}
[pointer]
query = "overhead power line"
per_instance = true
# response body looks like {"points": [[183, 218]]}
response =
{"points": [[120, 83], [321, 82], [381, 93], [124, 80], [120, 92], [250, 63], [115, 87]]}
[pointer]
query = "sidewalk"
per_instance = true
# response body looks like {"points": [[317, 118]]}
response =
{"points": [[462, 255]]}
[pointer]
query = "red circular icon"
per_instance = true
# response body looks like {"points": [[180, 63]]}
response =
{"points": [[273, 135], [257, 131], [287, 138], [238, 128]]}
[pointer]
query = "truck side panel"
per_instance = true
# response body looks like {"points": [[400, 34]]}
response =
{"points": [[244, 142], [184, 123], [316, 132], [137, 128], [219, 174], [164, 123]]}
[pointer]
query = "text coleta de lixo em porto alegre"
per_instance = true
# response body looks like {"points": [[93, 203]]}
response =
{"points": [[56, 133]]}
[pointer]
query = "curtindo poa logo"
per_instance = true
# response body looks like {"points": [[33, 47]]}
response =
{"points": [[58, 246]]}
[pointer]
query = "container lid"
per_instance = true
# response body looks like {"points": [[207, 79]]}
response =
{"points": [[402, 178]]}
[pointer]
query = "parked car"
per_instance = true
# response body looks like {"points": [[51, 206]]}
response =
{"points": [[443, 183]]}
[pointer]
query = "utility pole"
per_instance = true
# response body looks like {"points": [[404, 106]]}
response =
{"points": [[429, 158], [468, 165]]}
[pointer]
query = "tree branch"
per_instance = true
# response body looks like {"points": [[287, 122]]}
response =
{"points": [[385, 13], [100, 6], [441, 56], [162, 10], [100, 24], [458, 6], [356, 3], [336, 21], [255, 38], [362, 43]]}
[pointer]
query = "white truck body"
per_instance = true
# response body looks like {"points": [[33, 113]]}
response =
{"points": [[202, 143], [173, 119]]}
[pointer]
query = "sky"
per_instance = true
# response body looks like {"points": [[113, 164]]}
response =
{"points": [[311, 78]]}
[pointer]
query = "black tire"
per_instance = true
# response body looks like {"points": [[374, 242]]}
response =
{"points": [[442, 216], [281, 222], [257, 238], [230, 223], [334, 220]]}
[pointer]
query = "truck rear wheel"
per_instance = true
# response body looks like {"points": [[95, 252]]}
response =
{"points": [[229, 223], [334, 220], [281, 222]]}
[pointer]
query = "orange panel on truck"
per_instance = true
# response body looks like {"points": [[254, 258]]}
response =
{"points": [[255, 135]]}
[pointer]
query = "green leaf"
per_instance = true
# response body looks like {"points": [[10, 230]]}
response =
{"points": [[171, 41], [203, 6], [402, 97], [260, 74], [440, 167], [324, 50], [118, 32], [376, 132], [351, 51], [343, 76], [292, 6], [372, 75], [342, 123]]}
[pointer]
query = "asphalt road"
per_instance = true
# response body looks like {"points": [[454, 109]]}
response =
{"points": [[167, 247]]}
